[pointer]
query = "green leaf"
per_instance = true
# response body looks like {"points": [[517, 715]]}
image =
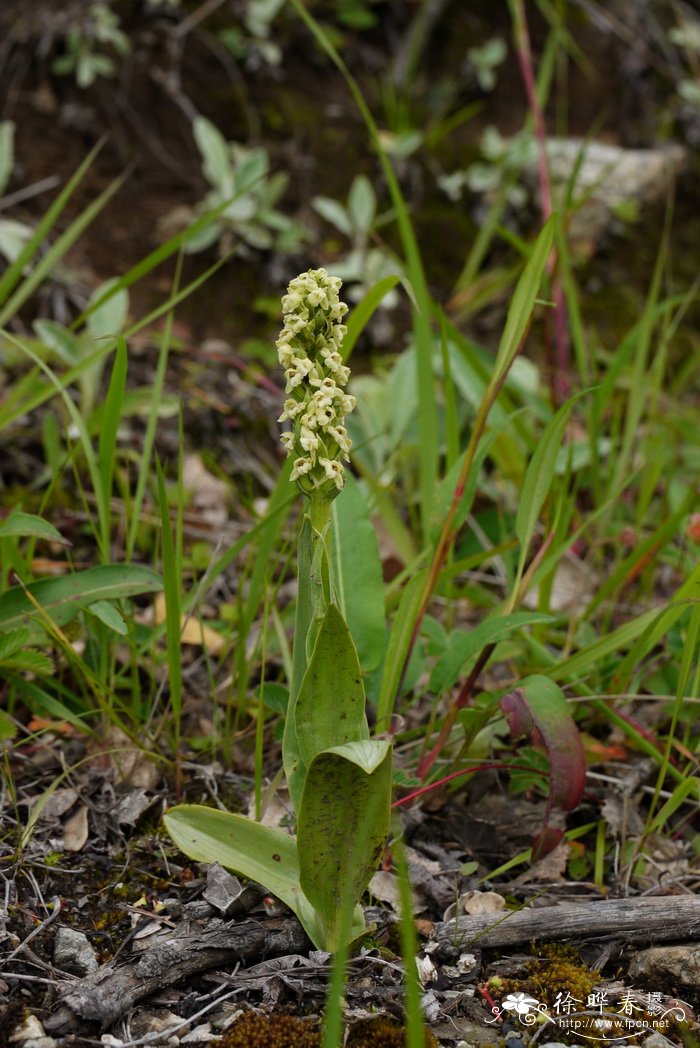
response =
{"points": [[108, 306], [29, 661], [61, 599], [13, 641], [262, 853], [330, 706], [358, 574], [27, 525], [333, 212], [398, 647], [362, 204], [539, 475], [107, 613], [343, 826], [58, 338], [8, 728], [463, 645], [216, 164]]}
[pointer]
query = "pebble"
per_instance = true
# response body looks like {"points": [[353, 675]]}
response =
{"points": [[655, 1040], [30, 1034], [73, 951], [678, 964]]}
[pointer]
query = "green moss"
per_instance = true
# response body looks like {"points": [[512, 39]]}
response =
{"points": [[555, 970], [286, 1031]]}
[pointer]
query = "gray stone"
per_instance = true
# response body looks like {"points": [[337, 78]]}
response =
{"points": [[679, 965], [655, 1040], [614, 177], [73, 951]]}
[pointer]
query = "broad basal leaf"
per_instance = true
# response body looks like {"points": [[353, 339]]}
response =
{"points": [[330, 706], [262, 853], [343, 826]]}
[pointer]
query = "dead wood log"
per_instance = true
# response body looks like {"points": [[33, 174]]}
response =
{"points": [[110, 992], [649, 919]]}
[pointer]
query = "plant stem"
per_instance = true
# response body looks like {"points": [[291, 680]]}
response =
{"points": [[560, 380], [320, 516]]}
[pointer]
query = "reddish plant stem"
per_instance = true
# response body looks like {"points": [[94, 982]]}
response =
{"points": [[427, 760], [560, 379], [490, 766]]}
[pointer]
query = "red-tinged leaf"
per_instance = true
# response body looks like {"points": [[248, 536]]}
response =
{"points": [[545, 841], [538, 708]]}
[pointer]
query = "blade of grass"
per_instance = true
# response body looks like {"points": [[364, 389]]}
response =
{"points": [[415, 1026], [108, 441], [152, 420], [171, 591], [422, 333], [14, 272], [56, 252]]}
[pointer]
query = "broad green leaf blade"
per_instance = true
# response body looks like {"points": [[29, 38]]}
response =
{"points": [[357, 571], [330, 706], [539, 475], [343, 826], [28, 525], [61, 599], [463, 645], [398, 647], [261, 853], [539, 705]]}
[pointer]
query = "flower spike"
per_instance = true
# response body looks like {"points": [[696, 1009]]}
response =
{"points": [[309, 351]]}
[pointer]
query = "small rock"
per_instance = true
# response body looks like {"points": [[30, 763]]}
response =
{"points": [[560, 1044], [30, 1030], [614, 177], [678, 965], [655, 1040], [199, 1034], [73, 951]]}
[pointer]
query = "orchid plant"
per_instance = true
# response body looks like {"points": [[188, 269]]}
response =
{"points": [[339, 779]]}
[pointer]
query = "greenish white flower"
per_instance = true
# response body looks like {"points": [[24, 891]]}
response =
{"points": [[316, 405]]}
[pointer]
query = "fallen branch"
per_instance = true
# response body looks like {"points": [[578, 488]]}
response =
{"points": [[110, 992], [650, 919]]}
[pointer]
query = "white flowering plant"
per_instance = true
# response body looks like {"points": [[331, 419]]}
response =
{"points": [[339, 779]]}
